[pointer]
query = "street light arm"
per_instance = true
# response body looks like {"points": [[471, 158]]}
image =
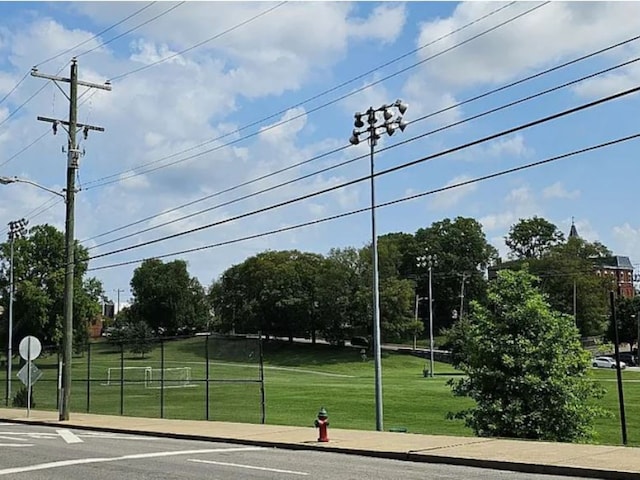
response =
{"points": [[8, 180]]}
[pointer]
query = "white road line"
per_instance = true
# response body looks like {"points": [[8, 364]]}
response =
{"points": [[16, 445], [13, 438], [84, 461], [68, 436], [250, 467]]}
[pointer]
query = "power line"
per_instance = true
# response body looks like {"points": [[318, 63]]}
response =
{"points": [[226, 190], [15, 87], [382, 172], [385, 204], [117, 177], [464, 102], [24, 149], [332, 167], [97, 35], [39, 210], [146, 22], [199, 44], [23, 104], [64, 53]]}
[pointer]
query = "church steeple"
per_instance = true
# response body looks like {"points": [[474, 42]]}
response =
{"points": [[574, 231]]}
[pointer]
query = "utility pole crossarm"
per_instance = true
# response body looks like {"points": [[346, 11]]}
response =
{"points": [[55, 78], [80, 126]]}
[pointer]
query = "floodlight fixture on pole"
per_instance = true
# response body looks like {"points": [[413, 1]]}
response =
{"points": [[17, 229], [378, 121], [429, 261]]}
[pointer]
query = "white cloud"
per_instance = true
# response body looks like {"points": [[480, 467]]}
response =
{"points": [[520, 203], [627, 240], [555, 30], [509, 146], [451, 198], [558, 190]]}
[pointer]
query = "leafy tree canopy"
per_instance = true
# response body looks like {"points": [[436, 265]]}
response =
{"points": [[525, 367], [532, 237]]}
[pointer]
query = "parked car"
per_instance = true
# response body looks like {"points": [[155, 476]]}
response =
{"points": [[628, 358], [607, 362]]}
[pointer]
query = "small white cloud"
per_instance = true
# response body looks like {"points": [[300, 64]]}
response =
{"points": [[557, 190], [626, 238], [450, 198], [513, 146]]}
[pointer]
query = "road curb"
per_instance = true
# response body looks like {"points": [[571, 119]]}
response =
{"points": [[412, 456]]}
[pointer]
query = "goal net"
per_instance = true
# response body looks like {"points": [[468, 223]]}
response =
{"points": [[139, 375], [174, 377]]}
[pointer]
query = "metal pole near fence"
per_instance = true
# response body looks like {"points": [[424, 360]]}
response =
{"points": [[161, 378], [122, 378], [88, 377], [262, 393], [206, 354]]}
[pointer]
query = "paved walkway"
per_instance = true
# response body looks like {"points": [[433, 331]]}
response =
{"points": [[595, 461]]}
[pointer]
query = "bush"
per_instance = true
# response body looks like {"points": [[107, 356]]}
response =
{"points": [[20, 400]]}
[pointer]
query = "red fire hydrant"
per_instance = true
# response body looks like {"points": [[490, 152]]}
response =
{"points": [[322, 422]]}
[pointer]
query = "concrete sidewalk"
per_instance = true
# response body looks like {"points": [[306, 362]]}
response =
{"points": [[594, 461]]}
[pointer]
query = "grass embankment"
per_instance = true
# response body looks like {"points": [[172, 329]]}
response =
{"points": [[299, 379]]}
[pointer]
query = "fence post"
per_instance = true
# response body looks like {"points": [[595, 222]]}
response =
{"points": [[88, 377], [122, 378], [206, 350], [161, 378], [59, 383], [262, 393]]}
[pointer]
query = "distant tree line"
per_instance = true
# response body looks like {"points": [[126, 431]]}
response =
{"points": [[300, 294]]}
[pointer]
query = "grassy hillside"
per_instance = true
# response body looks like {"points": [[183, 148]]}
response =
{"points": [[299, 379]]}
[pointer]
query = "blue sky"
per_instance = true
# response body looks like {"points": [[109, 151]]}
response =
{"points": [[277, 61]]}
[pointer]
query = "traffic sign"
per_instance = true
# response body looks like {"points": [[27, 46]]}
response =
{"points": [[30, 348], [24, 376]]}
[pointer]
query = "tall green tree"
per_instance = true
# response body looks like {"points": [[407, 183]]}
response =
{"points": [[167, 298], [39, 261], [628, 316], [532, 237], [461, 248], [524, 366], [571, 264]]}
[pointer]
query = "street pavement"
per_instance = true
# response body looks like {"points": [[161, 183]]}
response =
{"points": [[52, 453], [577, 460]]}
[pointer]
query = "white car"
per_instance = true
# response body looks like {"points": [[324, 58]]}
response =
{"points": [[606, 362]]}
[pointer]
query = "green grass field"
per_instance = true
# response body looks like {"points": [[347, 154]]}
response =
{"points": [[299, 379]]}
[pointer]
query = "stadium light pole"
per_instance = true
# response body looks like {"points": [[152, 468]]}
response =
{"points": [[379, 121], [429, 261], [17, 229]]}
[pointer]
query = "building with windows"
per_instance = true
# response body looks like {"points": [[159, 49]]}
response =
{"points": [[617, 267]]}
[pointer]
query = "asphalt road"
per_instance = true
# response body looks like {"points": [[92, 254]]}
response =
{"points": [[39, 453]]}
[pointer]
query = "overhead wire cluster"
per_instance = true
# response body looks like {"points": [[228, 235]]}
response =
{"points": [[100, 45], [387, 171], [155, 165], [144, 168]]}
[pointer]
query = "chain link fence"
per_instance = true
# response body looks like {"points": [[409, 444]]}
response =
{"points": [[203, 377]]}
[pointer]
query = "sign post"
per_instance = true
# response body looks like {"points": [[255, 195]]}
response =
{"points": [[30, 348]]}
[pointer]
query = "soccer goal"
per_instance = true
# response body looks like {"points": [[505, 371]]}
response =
{"points": [[141, 375], [172, 377]]}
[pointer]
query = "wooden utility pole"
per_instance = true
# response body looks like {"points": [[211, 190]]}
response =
{"points": [[73, 154]]}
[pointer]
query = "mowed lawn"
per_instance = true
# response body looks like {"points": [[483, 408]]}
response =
{"points": [[299, 379]]}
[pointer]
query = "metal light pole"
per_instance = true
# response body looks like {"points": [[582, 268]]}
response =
{"points": [[429, 261], [17, 229], [373, 131]]}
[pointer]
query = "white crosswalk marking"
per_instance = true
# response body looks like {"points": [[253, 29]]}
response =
{"points": [[68, 436]]}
